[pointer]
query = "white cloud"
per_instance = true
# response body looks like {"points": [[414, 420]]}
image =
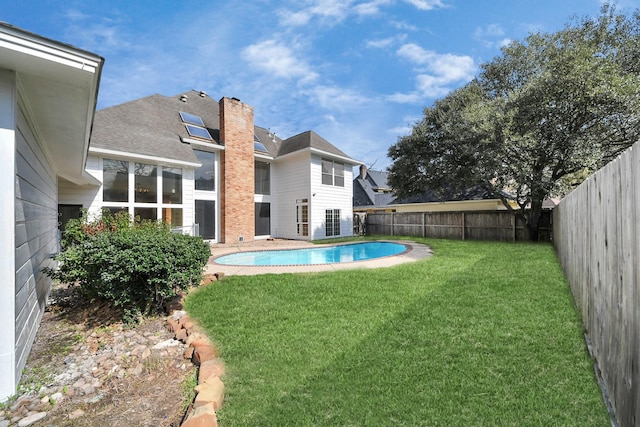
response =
{"points": [[426, 4], [387, 42], [370, 7], [491, 36], [326, 10], [335, 98], [436, 74], [277, 59]]}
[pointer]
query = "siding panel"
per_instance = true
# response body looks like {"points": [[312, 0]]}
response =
{"points": [[36, 236]]}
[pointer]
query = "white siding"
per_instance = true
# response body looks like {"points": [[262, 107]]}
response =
{"points": [[291, 181], [330, 197], [7, 233], [36, 221], [86, 195]]}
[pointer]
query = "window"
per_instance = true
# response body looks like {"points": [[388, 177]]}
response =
{"points": [[172, 216], [332, 173], [302, 217], [332, 222], [262, 178], [204, 175], [172, 186], [146, 183], [136, 188], [115, 181], [257, 145]]}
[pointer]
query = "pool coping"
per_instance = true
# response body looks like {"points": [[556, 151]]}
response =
{"points": [[414, 252]]}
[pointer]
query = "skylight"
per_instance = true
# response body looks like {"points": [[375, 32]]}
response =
{"points": [[197, 131], [191, 118], [258, 146]]}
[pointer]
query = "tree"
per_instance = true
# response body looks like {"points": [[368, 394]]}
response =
{"points": [[541, 116]]}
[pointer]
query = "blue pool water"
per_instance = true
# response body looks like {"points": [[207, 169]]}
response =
{"points": [[320, 255]]}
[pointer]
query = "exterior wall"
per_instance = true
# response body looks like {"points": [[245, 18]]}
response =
{"points": [[330, 197], [30, 187], [86, 195], [291, 180], [237, 195], [7, 233], [36, 236]]}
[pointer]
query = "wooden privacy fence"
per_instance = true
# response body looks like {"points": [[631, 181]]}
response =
{"points": [[471, 225], [597, 236]]}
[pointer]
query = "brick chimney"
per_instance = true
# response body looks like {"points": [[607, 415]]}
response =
{"points": [[363, 172], [237, 208]]}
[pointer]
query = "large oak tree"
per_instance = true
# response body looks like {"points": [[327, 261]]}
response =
{"points": [[538, 119]]}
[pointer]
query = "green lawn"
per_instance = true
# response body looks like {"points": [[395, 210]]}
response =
{"points": [[480, 334]]}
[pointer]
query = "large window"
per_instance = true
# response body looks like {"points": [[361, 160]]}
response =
{"points": [[204, 175], [136, 189], [302, 217], [332, 222], [172, 186], [332, 173], [115, 181], [146, 183], [262, 178]]}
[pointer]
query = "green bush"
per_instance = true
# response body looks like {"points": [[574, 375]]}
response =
{"points": [[136, 265]]}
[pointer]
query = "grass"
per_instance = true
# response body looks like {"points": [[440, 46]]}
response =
{"points": [[480, 334]]}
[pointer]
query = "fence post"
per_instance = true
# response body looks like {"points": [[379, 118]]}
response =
{"points": [[514, 221], [464, 226], [392, 223], [424, 225]]}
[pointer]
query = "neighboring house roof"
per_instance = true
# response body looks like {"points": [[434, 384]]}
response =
{"points": [[372, 189], [152, 126], [478, 192]]}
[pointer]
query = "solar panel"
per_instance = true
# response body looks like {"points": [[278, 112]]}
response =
{"points": [[198, 132], [191, 118]]}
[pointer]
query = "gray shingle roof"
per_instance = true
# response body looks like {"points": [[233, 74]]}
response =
{"points": [[308, 139], [152, 126]]}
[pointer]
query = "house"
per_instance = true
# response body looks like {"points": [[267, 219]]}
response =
{"points": [[372, 193], [204, 167], [48, 93], [371, 190]]}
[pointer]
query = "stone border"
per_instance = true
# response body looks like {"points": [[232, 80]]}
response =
{"points": [[204, 354]]}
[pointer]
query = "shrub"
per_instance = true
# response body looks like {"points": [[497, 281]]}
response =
{"points": [[136, 265]]}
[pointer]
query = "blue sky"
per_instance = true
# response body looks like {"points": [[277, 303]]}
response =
{"points": [[359, 73]]}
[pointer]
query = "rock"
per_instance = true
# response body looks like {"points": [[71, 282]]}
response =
{"points": [[31, 419], [186, 322], [146, 353], [203, 416], [202, 353], [57, 398], [173, 324], [210, 392], [137, 370], [178, 314], [181, 335], [76, 414], [166, 343], [188, 353], [95, 399], [209, 368]]}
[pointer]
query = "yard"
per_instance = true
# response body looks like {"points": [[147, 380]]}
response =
{"points": [[481, 333]]}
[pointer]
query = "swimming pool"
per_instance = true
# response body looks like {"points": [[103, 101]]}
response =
{"points": [[313, 256]]}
